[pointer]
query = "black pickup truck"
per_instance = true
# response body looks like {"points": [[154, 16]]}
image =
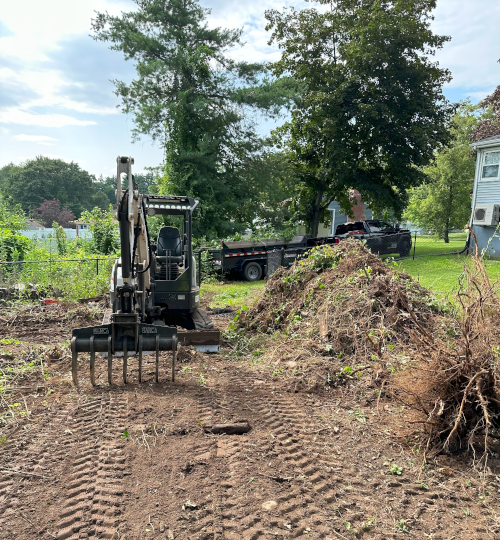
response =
{"points": [[380, 237]]}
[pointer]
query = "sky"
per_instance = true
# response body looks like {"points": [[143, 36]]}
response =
{"points": [[56, 98]]}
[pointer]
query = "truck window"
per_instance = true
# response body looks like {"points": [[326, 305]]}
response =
{"points": [[350, 227], [380, 226]]}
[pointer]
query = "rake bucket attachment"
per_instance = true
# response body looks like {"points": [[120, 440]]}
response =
{"points": [[124, 336]]}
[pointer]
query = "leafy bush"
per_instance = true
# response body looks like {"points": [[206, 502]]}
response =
{"points": [[105, 236]]}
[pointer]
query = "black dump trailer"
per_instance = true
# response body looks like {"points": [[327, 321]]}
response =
{"points": [[254, 260]]}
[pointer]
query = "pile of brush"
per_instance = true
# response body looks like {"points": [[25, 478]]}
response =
{"points": [[346, 303], [355, 317]]}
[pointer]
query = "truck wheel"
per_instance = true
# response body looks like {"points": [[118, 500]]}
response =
{"points": [[252, 272], [404, 247]]}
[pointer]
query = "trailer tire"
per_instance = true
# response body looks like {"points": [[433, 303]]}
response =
{"points": [[252, 271]]}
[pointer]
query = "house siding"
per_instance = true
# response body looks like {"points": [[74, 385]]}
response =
{"points": [[341, 218], [486, 192]]}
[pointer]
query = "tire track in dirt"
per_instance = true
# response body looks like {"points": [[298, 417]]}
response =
{"points": [[284, 508], [209, 521], [344, 487], [94, 492], [26, 454]]}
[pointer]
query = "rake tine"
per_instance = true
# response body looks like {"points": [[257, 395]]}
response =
{"points": [[125, 360], [110, 362], [92, 361], [74, 360], [140, 359], [157, 356]]}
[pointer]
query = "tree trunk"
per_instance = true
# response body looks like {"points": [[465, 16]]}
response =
{"points": [[446, 233], [316, 213]]}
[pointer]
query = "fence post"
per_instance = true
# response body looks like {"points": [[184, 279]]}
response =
{"points": [[97, 266], [414, 245], [199, 268]]}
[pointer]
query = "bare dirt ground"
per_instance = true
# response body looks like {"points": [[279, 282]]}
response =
{"points": [[134, 462]]}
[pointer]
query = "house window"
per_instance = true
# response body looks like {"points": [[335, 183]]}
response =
{"points": [[491, 165]]}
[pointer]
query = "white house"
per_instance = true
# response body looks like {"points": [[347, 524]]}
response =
{"points": [[486, 195]]}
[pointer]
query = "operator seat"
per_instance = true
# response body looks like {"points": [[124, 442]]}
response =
{"points": [[169, 240], [170, 247]]}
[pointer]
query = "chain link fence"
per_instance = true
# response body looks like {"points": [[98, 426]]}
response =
{"points": [[418, 243], [80, 278], [274, 261], [69, 278]]}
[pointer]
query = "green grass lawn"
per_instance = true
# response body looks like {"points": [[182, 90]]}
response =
{"points": [[440, 274], [437, 273], [427, 245], [233, 294]]}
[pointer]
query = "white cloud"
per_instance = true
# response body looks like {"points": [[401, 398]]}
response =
{"points": [[473, 51], [49, 86], [37, 26], [16, 115], [479, 96], [40, 139]]}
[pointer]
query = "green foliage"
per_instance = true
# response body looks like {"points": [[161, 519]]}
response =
{"points": [[60, 236], [12, 220], [105, 235], [396, 470], [42, 178], [146, 182], [194, 98], [443, 202], [372, 111], [69, 279], [275, 210]]}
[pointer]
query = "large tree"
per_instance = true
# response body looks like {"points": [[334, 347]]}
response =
{"points": [[147, 182], [192, 97], [373, 111], [43, 178], [443, 202]]}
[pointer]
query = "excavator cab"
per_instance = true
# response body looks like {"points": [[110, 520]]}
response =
{"points": [[176, 291]]}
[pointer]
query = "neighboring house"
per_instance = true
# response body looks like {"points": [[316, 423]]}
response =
{"points": [[486, 195], [32, 225], [47, 232], [35, 229], [360, 211], [82, 229]]}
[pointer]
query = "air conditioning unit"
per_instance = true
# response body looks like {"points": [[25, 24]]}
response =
{"points": [[487, 215]]}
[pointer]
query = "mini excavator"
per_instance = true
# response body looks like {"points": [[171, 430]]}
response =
{"points": [[155, 288]]}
